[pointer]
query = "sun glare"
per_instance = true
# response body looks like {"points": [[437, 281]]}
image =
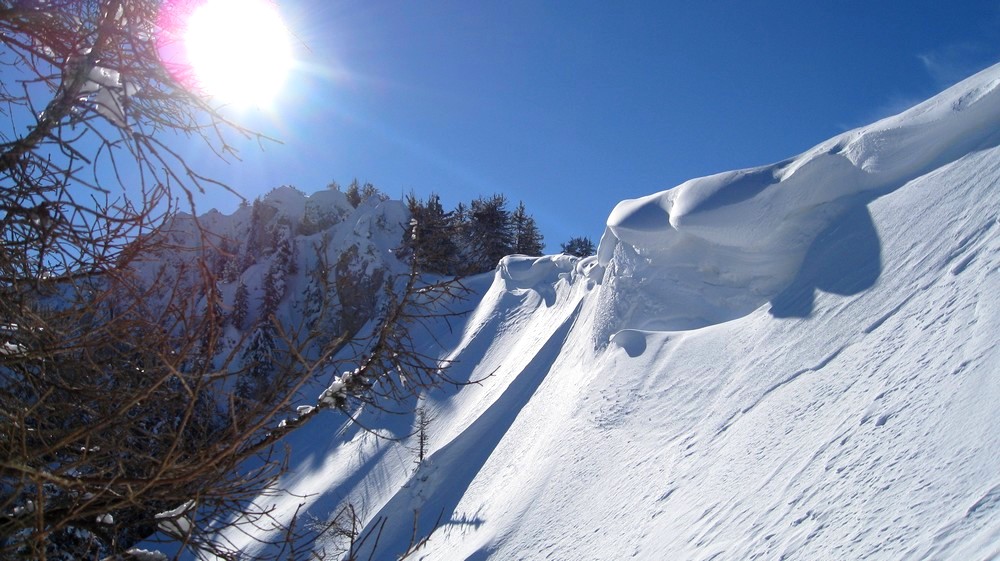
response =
{"points": [[239, 50]]}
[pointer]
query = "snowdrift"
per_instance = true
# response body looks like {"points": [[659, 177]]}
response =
{"points": [[716, 248], [797, 361]]}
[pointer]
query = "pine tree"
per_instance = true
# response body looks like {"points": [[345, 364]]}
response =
{"points": [[528, 239], [240, 305], [274, 290], [369, 191], [222, 257], [458, 230], [489, 232], [580, 247], [354, 193], [258, 361], [432, 242], [319, 295], [285, 252], [313, 298], [231, 270], [276, 280], [252, 249]]}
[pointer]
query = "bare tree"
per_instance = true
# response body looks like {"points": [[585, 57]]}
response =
{"points": [[422, 428], [118, 416], [92, 114]]}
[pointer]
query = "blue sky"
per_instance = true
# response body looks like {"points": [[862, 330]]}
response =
{"points": [[572, 106]]}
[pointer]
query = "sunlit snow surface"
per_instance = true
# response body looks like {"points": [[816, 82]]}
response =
{"points": [[797, 361], [716, 248]]}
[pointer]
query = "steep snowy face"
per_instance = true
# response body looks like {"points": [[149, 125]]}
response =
{"points": [[716, 248]]}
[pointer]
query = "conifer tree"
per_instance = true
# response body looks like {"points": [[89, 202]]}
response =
{"points": [[313, 297], [319, 294], [432, 242], [579, 246], [274, 290], [222, 256], [489, 232], [252, 249], [258, 363], [240, 305], [285, 254], [369, 191], [528, 239], [459, 216], [354, 193], [458, 226]]}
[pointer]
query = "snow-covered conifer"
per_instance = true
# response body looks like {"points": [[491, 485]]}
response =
{"points": [[258, 363]]}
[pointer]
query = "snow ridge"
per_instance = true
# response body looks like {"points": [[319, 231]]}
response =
{"points": [[715, 248], [802, 365]]}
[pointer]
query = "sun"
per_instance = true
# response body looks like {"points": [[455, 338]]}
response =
{"points": [[240, 52]]}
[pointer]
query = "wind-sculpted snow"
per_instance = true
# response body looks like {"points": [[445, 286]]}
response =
{"points": [[803, 366], [850, 422], [716, 248], [539, 274], [520, 271]]}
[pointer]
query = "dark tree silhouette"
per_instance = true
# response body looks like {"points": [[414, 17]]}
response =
{"points": [[580, 247], [528, 239], [434, 239], [488, 232]]}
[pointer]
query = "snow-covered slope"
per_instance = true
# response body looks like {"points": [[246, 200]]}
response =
{"points": [[797, 361]]}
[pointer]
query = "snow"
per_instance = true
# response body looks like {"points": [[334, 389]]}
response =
{"points": [[27, 508], [336, 393], [520, 273], [795, 361], [11, 349], [107, 87], [716, 248], [175, 521], [291, 203], [146, 555]]}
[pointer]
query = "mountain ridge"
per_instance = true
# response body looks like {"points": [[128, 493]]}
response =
{"points": [[830, 393]]}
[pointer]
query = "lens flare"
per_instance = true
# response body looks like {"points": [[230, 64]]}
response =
{"points": [[236, 51]]}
